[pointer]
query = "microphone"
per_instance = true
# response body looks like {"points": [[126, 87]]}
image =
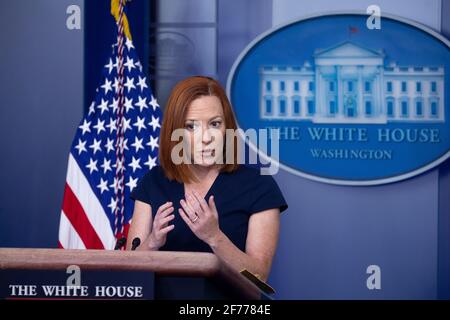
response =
{"points": [[136, 242], [120, 243]]}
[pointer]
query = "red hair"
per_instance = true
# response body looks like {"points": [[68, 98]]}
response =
{"points": [[180, 99]]}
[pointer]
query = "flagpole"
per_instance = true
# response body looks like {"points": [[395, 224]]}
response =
{"points": [[120, 159]]}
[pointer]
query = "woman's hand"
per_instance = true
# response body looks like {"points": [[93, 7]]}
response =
{"points": [[201, 217], [161, 227]]}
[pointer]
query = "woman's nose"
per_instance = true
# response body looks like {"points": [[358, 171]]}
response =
{"points": [[207, 137]]}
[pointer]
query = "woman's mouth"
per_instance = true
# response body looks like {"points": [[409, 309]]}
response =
{"points": [[208, 153]]}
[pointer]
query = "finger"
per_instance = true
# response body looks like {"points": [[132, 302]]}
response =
{"points": [[212, 205], [187, 209], [167, 229], [191, 203], [195, 204], [157, 223], [185, 217], [166, 220], [164, 213], [163, 207], [203, 204]]}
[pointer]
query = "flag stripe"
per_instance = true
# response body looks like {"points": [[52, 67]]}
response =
{"points": [[68, 236], [78, 219], [90, 205]]}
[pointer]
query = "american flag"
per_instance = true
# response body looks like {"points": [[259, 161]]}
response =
{"points": [[96, 208]]}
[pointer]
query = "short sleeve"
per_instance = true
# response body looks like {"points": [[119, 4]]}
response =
{"points": [[266, 195], [141, 191]]}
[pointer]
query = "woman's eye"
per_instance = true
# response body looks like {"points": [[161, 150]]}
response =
{"points": [[216, 124], [190, 126]]}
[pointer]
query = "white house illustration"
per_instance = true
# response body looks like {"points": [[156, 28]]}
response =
{"points": [[351, 84]]}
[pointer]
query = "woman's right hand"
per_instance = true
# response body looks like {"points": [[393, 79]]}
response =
{"points": [[161, 227]]}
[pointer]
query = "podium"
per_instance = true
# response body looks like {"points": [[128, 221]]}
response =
{"points": [[177, 275]]}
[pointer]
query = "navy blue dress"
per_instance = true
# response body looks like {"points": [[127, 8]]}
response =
{"points": [[237, 195]]}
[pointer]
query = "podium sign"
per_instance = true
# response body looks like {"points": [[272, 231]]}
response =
{"points": [[102, 274]]}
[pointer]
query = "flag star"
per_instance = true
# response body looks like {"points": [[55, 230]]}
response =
{"points": [[112, 125], [102, 186], [85, 127], [129, 44], [116, 85], [126, 124], [139, 65], [132, 183], [154, 103], [151, 162], [121, 183], [112, 205], [137, 144], [153, 143], [130, 84], [140, 123], [91, 108], [125, 147], [154, 123], [81, 146], [106, 165], [110, 66], [142, 104], [128, 104], [107, 86], [114, 105], [100, 126], [109, 145], [119, 165], [141, 83], [129, 64], [95, 146], [103, 106], [92, 166], [135, 164], [115, 185]]}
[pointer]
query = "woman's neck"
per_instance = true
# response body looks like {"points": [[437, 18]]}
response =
{"points": [[205, 173]]}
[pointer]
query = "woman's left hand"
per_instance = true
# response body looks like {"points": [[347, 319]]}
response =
{"points": [[201, 217]]}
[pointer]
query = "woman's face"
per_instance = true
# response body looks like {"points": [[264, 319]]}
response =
{"points": [[205, 131]]}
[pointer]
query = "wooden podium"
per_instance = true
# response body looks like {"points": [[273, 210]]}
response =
{"points": [[178, 275]]}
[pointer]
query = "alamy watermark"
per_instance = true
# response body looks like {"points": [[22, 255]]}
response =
{"points": [[210, 146], [374, 21]]}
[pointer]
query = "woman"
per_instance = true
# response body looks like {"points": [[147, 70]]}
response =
{"points": [[202, 203]]}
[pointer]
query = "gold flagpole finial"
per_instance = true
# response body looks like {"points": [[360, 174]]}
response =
{"points": [[115, 13]]}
